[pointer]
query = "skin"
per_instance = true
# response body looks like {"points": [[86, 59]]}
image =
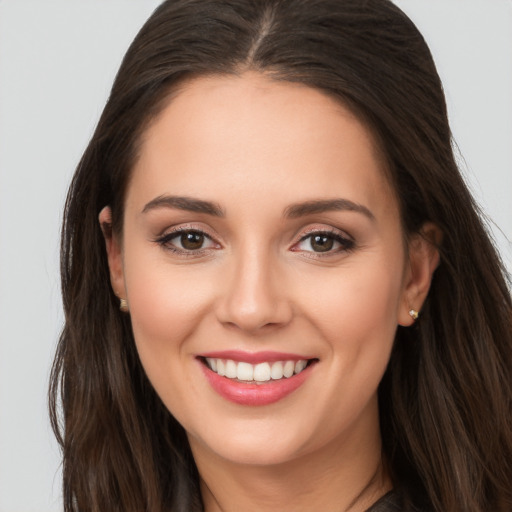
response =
{"points": [[254, 147]]}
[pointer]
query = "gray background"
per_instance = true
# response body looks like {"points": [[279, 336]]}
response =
{"points": [[57, 62]]}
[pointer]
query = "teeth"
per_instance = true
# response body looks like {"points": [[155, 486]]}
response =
{"points": [[288, 369], [277, 371], [299, 366], [261, 372], [244, 371], [231, 369]]}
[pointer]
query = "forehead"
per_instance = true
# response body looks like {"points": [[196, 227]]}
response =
{"points": [[250, 134]]}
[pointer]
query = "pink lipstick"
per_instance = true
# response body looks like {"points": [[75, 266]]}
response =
{"points": [[260, 378]]}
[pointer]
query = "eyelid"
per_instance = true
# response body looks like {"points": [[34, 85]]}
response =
{"points": [[323, 229], [187, 226], [169, 233], [346, 241]]}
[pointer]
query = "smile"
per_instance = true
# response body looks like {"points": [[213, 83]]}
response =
{"points": [[261, 372], [255, 379]]}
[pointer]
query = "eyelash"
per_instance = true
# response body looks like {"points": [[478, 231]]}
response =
{"points": [[346, 243], [165, 242]]}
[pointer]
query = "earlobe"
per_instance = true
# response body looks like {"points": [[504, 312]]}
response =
{"points": [[114, 253], [423, 259]]}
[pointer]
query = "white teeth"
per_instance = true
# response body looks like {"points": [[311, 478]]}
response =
{"points": [[261, 372], [288, 369], [245, 371], [212, 363], [277, 370], [231, 369], [299, 366]]}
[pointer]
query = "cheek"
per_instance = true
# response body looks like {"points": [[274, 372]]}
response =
{"points": [[358, 308], [166, 307], [356, 317], [167, 302]]}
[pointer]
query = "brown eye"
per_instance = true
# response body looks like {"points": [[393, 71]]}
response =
{"points": [[187, 242], [322, 243], [192, 240]]}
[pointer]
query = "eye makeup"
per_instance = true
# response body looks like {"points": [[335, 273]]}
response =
{"points": [[192, 241]]}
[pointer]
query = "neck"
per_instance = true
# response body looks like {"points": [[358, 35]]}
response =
{"points": [[343, 476], [262, 491]]}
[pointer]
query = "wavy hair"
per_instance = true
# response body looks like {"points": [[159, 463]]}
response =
{"points": [[446, 398]]}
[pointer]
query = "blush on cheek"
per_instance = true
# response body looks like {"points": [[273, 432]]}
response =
{"points": [[167, 300], [362, 313], [161, 322]]}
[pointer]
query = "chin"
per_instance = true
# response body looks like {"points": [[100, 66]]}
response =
{"points": [[257, 448], [257, 455]]}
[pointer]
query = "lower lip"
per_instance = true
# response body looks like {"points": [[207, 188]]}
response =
{"points": [[265, 393]]}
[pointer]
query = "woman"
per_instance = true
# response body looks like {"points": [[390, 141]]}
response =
{"points": [[278, 291]]}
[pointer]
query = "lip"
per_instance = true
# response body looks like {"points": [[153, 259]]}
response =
{"points": [[265, 393], [254, 357]]}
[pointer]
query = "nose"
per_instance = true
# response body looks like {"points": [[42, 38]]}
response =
{"points": [[254, 296]]}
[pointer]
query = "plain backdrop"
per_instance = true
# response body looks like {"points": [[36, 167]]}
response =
{"points": [[57, 62]]}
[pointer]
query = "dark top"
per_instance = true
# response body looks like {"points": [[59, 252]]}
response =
{"points": [[388, 503]]}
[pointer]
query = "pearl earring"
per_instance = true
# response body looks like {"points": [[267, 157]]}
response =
{"points": [[123, 305], [414, 314]]}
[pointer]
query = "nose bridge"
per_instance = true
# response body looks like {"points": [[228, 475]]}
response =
{"points": [[255, 296]]}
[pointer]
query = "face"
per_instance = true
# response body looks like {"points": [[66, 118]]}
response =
{"points": [[264, 267]]}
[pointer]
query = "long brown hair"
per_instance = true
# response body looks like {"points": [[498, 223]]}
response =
{"points": [[446, 398]]}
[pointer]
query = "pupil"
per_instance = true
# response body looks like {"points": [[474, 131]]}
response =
{"points": [[192, 240], [322, 243]]}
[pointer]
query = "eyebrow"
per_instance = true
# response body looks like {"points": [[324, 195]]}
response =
{"points": [[325, 205], [293, 211], [184, 203]]}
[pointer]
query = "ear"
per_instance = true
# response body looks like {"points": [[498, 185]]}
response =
{"points": [[114, 253], [423, 259]]}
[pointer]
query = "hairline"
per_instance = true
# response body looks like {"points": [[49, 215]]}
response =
{"points": [[166, 95]]}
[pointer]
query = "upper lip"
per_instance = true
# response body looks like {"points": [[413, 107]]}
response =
{"points": [[254, 357]]}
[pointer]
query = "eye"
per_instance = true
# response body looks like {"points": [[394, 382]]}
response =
{"points": [[190, 240], [324, 242], [186, 241]]}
